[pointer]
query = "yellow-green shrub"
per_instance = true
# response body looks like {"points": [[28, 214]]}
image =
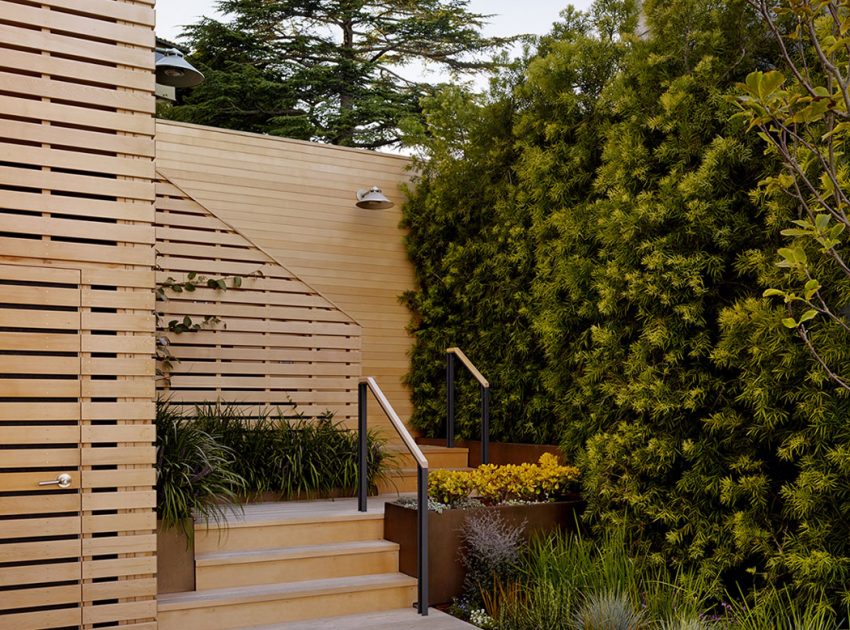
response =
{"points": [[544, 481], [449, 486]]}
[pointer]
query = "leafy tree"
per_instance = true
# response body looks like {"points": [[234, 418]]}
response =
{"points": [[805, 120], [331, 71], [800, 111]]}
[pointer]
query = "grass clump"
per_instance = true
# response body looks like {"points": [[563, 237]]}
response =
{"points": [[293, 455], [196, 473]]}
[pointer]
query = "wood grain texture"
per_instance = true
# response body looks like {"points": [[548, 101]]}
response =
{"points": [[277, 340], [76, 327], [295, 200]]}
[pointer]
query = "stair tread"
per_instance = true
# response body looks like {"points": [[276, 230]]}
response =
{"points": [[288, 590], [298, 512], [427, 448], [405, 618], [285, 553]]}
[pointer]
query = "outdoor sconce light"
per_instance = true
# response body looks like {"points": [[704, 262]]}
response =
{"points": [[373, 199], [173, 70]]}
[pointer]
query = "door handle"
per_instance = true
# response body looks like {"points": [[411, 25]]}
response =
{"points": [[63, 481]]}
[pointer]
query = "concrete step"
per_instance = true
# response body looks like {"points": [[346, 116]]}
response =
{"points": [[402, 619], [403, 480], [293, 524], [437, 456], [289, 564], [246, 606]]}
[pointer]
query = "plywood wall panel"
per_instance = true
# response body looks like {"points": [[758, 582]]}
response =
{"points": [[295, 200]]}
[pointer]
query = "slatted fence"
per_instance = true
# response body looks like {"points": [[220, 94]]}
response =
{"points": [[76, 314], [276, 342]]}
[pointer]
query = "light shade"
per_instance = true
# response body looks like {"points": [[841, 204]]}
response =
{"points": [[373, 199], [173, 70]]}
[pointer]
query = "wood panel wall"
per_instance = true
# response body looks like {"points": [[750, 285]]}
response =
{"points": [[296, 201], [276, 343], [76, 320]]}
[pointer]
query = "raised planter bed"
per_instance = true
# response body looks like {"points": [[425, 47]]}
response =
{"points": [[175, 561], [500, 452], [445, 537]]}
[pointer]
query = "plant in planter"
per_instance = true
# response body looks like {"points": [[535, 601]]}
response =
{"points": [[540, 495], [499, 485], [195, 472], [293, 456]]}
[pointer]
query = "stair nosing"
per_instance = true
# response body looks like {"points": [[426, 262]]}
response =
{"points": [[281, 591], [274, 554], [289, 520]]}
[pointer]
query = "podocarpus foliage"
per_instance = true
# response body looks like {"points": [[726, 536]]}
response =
{"points": [[332, 71], [589, 234]]}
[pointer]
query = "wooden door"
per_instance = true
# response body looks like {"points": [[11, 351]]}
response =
{"points": [[40, 502]]}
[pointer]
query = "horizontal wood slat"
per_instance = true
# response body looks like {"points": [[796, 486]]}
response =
{"points": [[284, 341], [76, 328], [295, 201]]}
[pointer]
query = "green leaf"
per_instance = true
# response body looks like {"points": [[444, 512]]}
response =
{"points": [[773, 292], [808, 315], [789, 322]]}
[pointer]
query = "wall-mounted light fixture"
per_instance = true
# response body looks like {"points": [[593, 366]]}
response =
{"points": [[373, 199], [173, 70]]}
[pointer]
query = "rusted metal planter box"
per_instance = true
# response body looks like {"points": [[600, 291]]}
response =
{"points": [[445, 537]]}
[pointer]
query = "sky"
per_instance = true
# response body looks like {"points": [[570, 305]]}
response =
{"points": [[510, 17]]}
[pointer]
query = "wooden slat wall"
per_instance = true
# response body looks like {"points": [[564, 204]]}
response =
{"points": [[296, 201], [76, 193], [278, 341]]}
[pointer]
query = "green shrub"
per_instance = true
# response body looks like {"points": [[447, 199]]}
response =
{"points": [[601, 252], [291, 454], [196, 473]]}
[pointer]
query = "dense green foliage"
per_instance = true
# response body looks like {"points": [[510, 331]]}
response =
{"points": [[194, 472], [332, 71], [292, 455], [589, 234], [209, 459]]}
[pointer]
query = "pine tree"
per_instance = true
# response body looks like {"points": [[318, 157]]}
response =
{"points": [[332, 71]]}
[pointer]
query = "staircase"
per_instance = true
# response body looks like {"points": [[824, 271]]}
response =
{"points": [[401, 479], [291, 561]]}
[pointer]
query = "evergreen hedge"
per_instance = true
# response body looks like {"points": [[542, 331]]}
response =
{"points": [[589, 235]]}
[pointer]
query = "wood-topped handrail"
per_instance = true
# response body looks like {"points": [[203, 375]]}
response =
{"points": [[470, 366], [369, 384], [408, 440], [484, 386]]}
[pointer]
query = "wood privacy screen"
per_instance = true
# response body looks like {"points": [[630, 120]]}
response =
{"points": [[76, 314], [278, 341], [296, 200]]}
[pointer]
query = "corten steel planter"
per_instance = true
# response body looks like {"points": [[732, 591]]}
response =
{"points": [[175, 560], [445, 537], [500, 452]]}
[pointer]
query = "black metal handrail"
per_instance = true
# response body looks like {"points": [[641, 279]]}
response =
{"points": [[369, 383], [484, 384]]}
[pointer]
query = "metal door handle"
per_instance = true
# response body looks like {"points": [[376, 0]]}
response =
{"points": [[63, 481]]}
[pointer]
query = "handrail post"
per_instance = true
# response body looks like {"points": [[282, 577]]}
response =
{"points": [[450, 399], [362, 462], [422, 540], [485, 425]]}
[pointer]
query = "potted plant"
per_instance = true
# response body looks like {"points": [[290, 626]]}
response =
{"points": [[195, 479], [541, 497]]}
